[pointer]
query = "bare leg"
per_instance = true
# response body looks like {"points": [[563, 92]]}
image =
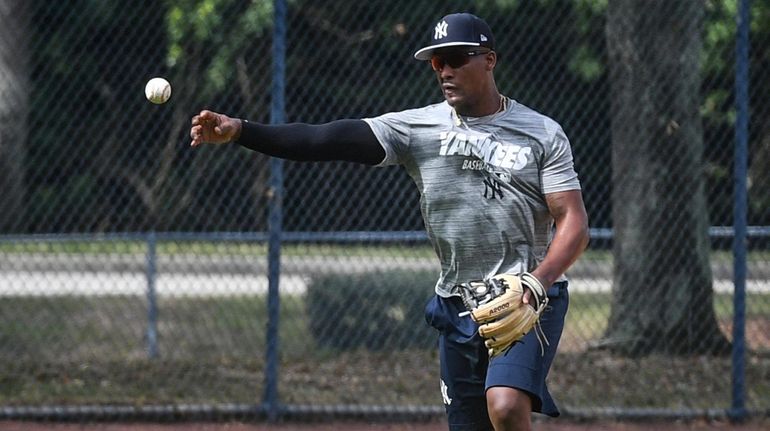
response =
{"points": [[509, 409]]}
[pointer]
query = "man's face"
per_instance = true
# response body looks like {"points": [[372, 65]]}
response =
{"points": [[463, 74]]}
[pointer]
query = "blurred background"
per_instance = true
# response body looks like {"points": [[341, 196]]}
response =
{"points": [[140, 277]]}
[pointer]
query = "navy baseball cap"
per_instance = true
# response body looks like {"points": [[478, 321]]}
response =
{"points": [[458, 29]]}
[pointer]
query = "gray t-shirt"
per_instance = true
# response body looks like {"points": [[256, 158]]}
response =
{"points": [[482, 184]]}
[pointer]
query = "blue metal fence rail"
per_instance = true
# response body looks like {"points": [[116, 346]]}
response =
{"points": [[291, 237], [740, 213], [275, 217], [152, 297]]}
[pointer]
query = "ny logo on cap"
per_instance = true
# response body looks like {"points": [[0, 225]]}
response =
{"points": [[441, 30]]}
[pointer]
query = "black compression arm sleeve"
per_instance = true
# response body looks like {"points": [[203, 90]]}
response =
{"points": [[350, 140]]}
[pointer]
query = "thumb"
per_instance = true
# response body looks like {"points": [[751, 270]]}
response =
{"points": [[224, 127]]}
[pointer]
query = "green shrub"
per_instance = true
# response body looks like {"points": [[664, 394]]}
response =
{"points": [[377, 310]]}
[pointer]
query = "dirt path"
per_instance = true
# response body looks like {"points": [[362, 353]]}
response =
{"points": [[359, 426]]}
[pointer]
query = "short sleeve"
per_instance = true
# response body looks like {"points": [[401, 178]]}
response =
{"points": [[558, 173], [393, 132]]}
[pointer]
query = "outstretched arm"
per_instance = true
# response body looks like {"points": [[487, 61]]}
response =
{"points": [[349, 140]]}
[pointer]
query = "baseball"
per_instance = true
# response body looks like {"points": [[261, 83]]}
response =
{"points": [[157, 90]]}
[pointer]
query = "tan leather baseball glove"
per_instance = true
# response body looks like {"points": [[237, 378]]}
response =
{"points": [[496, 305]]}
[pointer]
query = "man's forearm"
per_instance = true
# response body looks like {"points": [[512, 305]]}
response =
{"points": [[349, 140]]}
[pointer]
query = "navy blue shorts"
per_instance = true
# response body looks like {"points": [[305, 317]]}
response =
{"points": [[467, 372]]}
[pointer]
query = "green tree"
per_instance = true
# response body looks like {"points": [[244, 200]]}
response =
{"points": [[719, 108], [14, 107], [209, 43], [89, 64]]}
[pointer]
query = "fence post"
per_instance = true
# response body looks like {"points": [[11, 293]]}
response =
{"points": [[738, 408], [277, 116], [152, 303]]}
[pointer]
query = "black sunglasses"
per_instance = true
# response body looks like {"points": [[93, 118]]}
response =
{"points": [[455, 59]]}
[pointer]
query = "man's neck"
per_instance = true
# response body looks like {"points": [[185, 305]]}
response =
{"points": [[491, 104]]}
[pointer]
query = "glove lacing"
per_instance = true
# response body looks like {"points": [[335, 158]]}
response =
{"points": [[541, 337]]}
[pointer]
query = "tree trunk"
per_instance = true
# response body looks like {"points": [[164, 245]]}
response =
{"points": [[14, 107], [663, 295]]}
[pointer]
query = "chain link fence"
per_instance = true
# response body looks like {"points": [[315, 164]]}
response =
{"points": [[134, 270]]}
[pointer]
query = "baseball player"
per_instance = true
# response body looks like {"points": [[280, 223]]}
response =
{"points": [[495, 178]]}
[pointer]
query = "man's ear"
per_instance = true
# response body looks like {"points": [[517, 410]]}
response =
{"points": [[491, 60]]}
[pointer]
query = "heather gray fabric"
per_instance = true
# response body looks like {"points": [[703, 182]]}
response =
{"points": [[482, 184]]}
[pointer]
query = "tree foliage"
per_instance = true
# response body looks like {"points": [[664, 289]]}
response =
{"points": [[114, 162]]}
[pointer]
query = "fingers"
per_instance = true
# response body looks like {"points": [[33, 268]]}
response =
{"points": [[201, 117], [196, 130], [205, 119], [211, 127], [206, 115], [196, 134]]}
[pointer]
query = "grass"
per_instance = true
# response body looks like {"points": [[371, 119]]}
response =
{"points": [[231, 248], [74, 350], [93, 350]]}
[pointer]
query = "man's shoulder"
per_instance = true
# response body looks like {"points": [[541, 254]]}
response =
{"points": [[422, 117], [424, 111], [533, 121]]}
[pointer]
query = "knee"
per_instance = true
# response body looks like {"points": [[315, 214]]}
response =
{"points": [[509, 409]]}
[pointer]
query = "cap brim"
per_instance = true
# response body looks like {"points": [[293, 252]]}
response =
{"points": [[427, 52]]}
